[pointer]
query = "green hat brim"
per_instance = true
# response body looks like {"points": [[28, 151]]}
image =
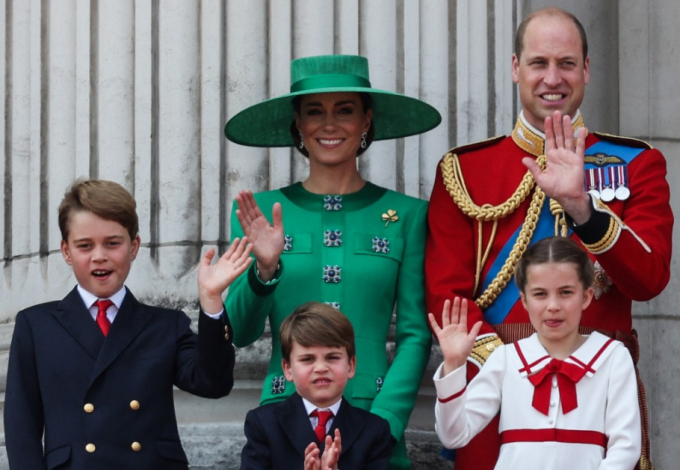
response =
{"points": [[267, 124]]}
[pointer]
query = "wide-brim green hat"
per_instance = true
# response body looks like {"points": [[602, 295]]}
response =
{"points": [[267, 124]]}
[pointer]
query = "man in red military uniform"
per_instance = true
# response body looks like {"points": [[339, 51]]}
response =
{"points": [[550, 177]]}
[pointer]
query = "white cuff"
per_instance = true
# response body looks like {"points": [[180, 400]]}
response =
{"points": [[215, 316]]}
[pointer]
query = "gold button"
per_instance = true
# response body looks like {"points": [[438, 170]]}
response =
{"points": [[490, 346], [136, 446], [89, 407], [134, 404], [90, 448]]}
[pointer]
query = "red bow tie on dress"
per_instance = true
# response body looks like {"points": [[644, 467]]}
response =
{"points": [[567, 375]]}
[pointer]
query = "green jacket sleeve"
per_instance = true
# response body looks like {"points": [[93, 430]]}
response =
{"points": [[413, 339]]}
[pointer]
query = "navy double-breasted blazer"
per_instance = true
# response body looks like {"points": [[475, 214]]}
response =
{"points": [[278, 434], [107, 403]]}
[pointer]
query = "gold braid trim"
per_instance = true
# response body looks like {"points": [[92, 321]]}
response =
{"points": [[455, 185], [608, 239], [561, 228], [612, 234], [645, 464], [484, 347], [508, 270]]}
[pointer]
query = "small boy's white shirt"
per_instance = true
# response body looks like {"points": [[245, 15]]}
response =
{"points": [[89, 300], [310, 407]]}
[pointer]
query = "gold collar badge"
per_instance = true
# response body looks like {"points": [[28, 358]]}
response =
{"points": [[532, 141]]}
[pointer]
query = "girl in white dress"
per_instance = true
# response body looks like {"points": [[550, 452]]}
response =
{"points": [[566, 401]]}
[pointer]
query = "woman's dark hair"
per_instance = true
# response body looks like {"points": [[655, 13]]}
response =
{"points": [[555, 250], [366, 103]]}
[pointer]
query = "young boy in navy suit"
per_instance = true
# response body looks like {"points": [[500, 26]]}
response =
{"points": [[94, 372], [316, 428]]}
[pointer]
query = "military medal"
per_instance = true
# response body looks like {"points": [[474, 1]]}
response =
{"points": [[607, 182], [592, 184], [601, 281], [622, 191]]}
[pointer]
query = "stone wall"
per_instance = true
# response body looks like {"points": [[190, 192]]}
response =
{"points": [[138, 92]]}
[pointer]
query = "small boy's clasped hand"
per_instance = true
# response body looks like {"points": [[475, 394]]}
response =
{"points": [[330, 457], [454, 339]]}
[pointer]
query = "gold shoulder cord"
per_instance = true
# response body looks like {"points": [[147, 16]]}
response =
{"points": [[557, 210], [484, 347], [455, 185]]}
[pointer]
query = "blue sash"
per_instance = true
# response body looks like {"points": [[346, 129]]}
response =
{"points": [[545, 227], [500, 309]]}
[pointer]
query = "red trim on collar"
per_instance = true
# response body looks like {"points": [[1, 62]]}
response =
{"points": [[588, 367], [527, 367]]}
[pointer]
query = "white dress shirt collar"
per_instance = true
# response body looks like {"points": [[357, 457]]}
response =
{"points": [[309, 406], [89, 299]]}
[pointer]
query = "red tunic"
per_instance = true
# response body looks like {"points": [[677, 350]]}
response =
{"points": [[492, 171]]}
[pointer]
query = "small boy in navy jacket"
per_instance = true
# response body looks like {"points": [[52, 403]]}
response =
{"points": [[316, 428]]}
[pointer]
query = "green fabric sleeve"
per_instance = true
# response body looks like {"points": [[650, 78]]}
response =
{"points": [[413, 339]]}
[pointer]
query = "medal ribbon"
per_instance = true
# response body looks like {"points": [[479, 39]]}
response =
{"points": [[623, 173]]}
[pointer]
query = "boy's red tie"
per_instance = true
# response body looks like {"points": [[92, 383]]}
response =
{"points": [[102, 321], [320, 428]]}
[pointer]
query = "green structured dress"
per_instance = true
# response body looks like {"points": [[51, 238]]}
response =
{"points": [[362, 253]]}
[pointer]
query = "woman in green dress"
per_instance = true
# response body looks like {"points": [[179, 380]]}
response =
{"points": [[335, 237]]}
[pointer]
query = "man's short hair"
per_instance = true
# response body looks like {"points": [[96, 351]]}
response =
{"points": [[105, 199], [550, 11], [316, 324]]}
